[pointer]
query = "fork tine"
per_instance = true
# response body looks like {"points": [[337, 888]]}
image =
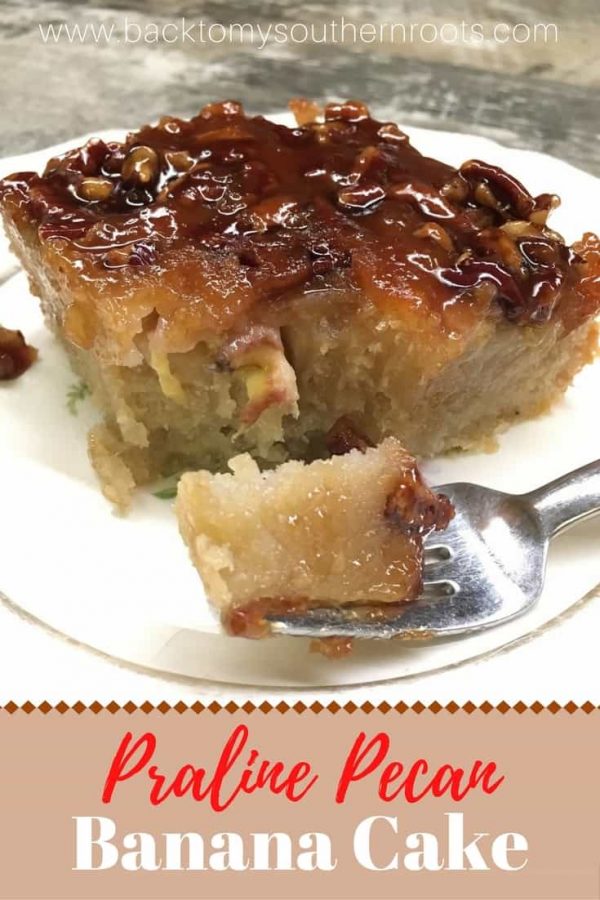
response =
{"points": [[447, 540], [477, 574], [441, 577], [437, 553], [442, 586]]}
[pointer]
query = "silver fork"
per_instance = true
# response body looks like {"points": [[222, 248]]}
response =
{"points": [[487, 567]]}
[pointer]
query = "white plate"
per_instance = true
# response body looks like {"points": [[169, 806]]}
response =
{"points": [[125, 585]]}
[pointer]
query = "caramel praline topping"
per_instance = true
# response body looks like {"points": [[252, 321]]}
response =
{"points": [[245, 210]]}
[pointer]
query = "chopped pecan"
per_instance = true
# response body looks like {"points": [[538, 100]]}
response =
{"points": [[456, 190], [305, 111], [16, 356], [424, 197], [350, 111], [494, 187], [344, 436], [179, 160], [141, 165], [95, 190], [392, 134], [436, 233], [415, 509], [361, 197], [225, 108], [472, 272]]}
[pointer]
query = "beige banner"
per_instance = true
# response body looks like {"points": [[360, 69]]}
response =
{"points": [[336, 805]]}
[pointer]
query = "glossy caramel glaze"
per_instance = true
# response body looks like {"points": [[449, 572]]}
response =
{"points": [[205, 223]]}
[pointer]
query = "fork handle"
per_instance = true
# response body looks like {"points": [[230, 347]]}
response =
{"points": [[567, 500]]}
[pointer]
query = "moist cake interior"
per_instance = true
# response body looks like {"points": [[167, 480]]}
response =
{"points": [[345, 530]]}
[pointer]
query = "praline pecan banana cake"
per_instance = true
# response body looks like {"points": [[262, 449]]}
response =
{"points": [[341, 531], [227, 285]]}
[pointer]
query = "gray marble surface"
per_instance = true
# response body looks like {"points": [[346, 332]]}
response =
{"points": [[536, 94]]}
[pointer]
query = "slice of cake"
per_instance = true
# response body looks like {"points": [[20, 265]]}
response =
{"points": [[344, 530], [227, 284]]}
